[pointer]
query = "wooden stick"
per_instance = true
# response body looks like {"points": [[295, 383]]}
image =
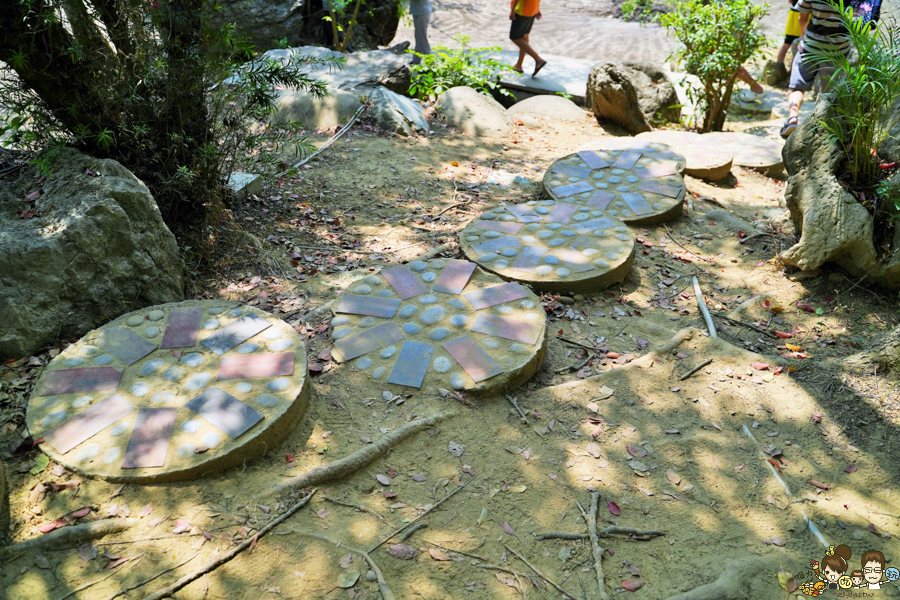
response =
{"points": [[515, 404], [672, 237], [605, 532], [574, 367], [420, 517], [744, 324], [386, 592], [92, 583], [325, 146], [698, 293], [541, 575], [359, 459], [574, 343], [214, 564], [591, 520], [358, 507], [146, 581], [68, 535], [695, 369]]}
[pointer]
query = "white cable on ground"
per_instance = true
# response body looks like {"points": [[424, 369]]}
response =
{"points": [[709, 322], [325, 146]]}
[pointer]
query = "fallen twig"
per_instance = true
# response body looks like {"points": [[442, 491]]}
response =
{"points": [[68, 535], [385, 589], [574, 343], [214, 564], [452, 206], [591, 520], [672, 237], [698, 293], [695, 369], [605, 532], [515, 404], [756, 235], [92, 583], [408, 533], [327, 144], [420, 517], [148, 580], [359, 459], [744, 324], [358, 507], [541, 575], [574, 367]]}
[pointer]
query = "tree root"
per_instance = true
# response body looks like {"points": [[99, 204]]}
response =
{"points": [[357, 460], [541, 575], [591, 521], [732, 583], [605, 532], [75, 534], [214, 564], [358, 507]]}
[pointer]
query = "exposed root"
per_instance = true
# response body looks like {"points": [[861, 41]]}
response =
{"points": [[68, 536], [732, 584]]}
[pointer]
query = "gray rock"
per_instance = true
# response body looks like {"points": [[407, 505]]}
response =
{"points": [[396, 113], [833, 226], [99, 249], [614, 90], [4, 506], [363, 69], [556, 107], [333, 110], [473, 113]]}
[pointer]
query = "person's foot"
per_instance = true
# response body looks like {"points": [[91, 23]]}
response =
{"points": [[537, 68], [790, 126], [519, 70]]}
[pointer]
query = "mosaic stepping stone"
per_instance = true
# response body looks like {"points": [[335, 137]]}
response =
{"points": [[466, 330], [705, 158], [637, 181], [752, 151], [572, 247], [219, 384]]}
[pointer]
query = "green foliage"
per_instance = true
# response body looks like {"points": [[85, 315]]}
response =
{"points": [[716, 39], [445, 68], [342, 22], [178, 102], [865, 91], [889, 199], [638, 10]]}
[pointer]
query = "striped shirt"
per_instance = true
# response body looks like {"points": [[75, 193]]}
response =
{"points": [[825, 30]]}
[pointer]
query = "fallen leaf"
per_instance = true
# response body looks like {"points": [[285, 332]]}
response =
{"points": [[41, 561], [438, 554], [636, 451], [518, 489], [348, 578], [819, 485], [760, 366], [146, 510], [806, 307], [874, 529], [739, 467], [777, 541], [850, 469], [508, 529], [154, 522], [455, 449], [418, 478], [181, 525], [383, 479], [593, 407], [81, 512], [87, 552], [673, 477], [613, 509], [402, 551], [632, 585], [782, 334], [787, 582], [594, 449], [793, 347]]}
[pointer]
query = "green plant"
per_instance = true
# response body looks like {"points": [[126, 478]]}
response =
{"points": [[638, 10], [149, 84], [341, 25], [445, 68], [864, 91], [716, 39]]}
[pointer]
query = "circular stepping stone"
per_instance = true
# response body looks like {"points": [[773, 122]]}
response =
{"points": [[752, 151], [440, 324], [705, 158], [192, 400], [637, 181], [552, 246], [745, 101]]}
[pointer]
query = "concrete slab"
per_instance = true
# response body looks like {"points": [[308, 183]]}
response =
{"points": [[560, 74]]}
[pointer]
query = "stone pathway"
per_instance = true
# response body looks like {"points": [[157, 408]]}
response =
{"points": [[553, 246], [636, 181], [752, 151], [441, 323], [705, 158], [172, 392]]}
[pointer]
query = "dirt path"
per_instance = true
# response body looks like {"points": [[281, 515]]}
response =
{"points": [[667, 453]]}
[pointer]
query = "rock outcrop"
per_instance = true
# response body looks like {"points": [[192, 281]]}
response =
{"points": [[396, 113], [474, 113], [97, 249], [632, 95]]}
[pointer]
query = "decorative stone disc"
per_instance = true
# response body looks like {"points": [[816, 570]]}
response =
{"points": [[172, 392], [440, 324], [706, 159], [550, 245], [637, 181], [757, 104], [752, 151]]}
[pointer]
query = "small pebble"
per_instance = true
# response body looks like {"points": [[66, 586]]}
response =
{"points": [[156, 315], [135, 320], [578, 298], [370, 576], [566, 300], [211, 324]]}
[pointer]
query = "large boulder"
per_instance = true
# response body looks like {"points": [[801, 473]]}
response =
{"points": [[365, 70], [833, 225], [396, 113], [271, 23], [333, 110], [98, 249], [633, 95], [544, 105], [474, 113]]}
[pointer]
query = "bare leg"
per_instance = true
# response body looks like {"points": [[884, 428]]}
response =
{"points": [[525, 48], [782, 52], [795, 101]]}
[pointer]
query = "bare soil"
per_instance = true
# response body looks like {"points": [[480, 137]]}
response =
{"points": [[667, 453]]}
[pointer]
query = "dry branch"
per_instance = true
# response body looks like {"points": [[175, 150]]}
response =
{"points": [[358, 507], [605, 532], [359, 459], [76, 534], [591, 520], [695, 369], [541, 575], [214, 564], [698, 293], [732, 584]]}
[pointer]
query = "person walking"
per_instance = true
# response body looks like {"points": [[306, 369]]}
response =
{"points": [[522, 13], [421, 13]]}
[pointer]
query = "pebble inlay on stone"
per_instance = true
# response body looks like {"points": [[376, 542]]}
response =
{"points": [[452, 326], [706, 158], [752, 151], [552, 246], [637, 181], [227, 383]]}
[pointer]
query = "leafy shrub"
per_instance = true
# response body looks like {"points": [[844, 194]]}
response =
{"points": [[638, 10], [716, 39], [148, 84], [445, 68], [865, 91]]}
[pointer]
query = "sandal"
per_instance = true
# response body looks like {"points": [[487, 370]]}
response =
{"points": [[519, 71], [538, 68], [790, 126]]}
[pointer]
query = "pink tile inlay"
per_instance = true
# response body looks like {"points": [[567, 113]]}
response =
{"points": [[88, 423], [256, 365], [149, 441], [182, 327], [473, 359], [68, 381], [455, 276], [404, 282]]}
